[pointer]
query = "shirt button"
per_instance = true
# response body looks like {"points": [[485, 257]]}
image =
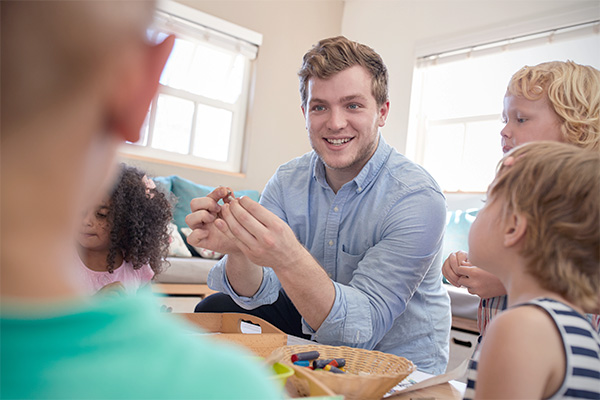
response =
{"points": [[331, 242], [359, 189], [336, 209]]}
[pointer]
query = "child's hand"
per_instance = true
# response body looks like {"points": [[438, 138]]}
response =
{"points": [[115, 289], [480, 282], [451, 266]]}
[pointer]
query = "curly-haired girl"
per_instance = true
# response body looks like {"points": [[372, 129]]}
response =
{"points": [[123, 242]]}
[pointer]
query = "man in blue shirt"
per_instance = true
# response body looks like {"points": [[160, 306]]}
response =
{"points": [[345, 243]]}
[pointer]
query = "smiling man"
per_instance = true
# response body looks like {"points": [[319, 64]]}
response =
{"points": [[344, 246]]}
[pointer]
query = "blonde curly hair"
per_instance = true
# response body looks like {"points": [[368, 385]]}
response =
{"points": [[573, 91], [556, 188]]}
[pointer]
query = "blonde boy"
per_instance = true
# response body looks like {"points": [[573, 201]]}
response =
{"points": [[538, 233]]}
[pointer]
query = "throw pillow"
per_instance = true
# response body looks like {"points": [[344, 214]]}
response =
{"points": [[177, 247]]}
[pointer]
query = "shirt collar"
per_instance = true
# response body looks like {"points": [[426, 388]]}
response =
{"points": [[366, 174]]}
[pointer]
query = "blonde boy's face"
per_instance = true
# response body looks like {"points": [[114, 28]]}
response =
{"points": [[528, 121]]}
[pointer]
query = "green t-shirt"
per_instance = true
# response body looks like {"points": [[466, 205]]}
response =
{"points": [[120, 348]]}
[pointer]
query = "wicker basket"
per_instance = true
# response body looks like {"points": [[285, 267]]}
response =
{"points": [[369, 374]]}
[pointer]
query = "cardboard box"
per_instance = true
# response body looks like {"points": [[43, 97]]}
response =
{"points": [[228, 326]]}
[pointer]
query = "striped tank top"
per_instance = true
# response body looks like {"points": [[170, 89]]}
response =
{"points": [[582, 348]]}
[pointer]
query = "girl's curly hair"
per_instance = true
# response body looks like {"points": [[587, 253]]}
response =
{"points": [[139, 222]]}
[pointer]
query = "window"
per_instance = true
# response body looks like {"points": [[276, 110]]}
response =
{"points": [[457, 100], [199, 113]]}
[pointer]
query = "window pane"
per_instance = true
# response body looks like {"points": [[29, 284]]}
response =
{"points": [[482, 151], [216, 73], [143, 141], [173, 124], [444, 146], [176, 70], [476, 85], [213, 130], [205, 70]]}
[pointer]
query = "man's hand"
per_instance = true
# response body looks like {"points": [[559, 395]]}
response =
{"points": [[261, 235], [205, 211], [266, 240]]}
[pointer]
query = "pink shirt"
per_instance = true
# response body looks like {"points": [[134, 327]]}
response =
{"points": [[132, 279]]}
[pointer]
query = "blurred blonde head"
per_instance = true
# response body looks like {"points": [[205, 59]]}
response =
{"points": [[573, 92], [63, 48], [556, 188]]}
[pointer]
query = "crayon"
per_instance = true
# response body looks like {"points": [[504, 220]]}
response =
{"points": [[303, 363], [333, 369], [336, 362], [307, 355]]}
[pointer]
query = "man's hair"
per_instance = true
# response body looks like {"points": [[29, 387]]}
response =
{"points": [[556, 187], [333, 55], [573, 91]]}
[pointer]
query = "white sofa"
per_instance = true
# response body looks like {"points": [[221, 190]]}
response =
{"points": [[185, 276]]}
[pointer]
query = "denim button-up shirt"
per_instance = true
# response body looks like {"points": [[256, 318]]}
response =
{"points": [[379, 239]]}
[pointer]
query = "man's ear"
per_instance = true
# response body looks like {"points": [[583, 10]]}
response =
{"points": [[384, 111], [130, 117], [514, 229]]}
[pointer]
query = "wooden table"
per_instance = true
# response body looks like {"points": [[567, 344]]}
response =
{"points": [[443, 391]]}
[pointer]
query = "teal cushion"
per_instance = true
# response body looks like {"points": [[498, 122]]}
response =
{"points": [[186, 190], [163, 182], [458, 223]]}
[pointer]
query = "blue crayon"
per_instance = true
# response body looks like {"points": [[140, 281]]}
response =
{"points": [[303, 363]]}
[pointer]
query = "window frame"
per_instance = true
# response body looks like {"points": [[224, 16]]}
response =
{"points": [[221, 29]]}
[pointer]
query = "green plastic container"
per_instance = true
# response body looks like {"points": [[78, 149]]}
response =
{"points": [[282, 373]]}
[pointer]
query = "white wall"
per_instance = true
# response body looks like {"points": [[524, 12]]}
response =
{"points": [[397, 29]]}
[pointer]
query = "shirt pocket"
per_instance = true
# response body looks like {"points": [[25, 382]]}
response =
{"points": [[347, 264]]}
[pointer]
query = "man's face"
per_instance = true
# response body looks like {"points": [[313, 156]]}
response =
{"points": [[343, 118]]}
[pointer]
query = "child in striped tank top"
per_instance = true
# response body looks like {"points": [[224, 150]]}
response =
{"points": [[538, 233]]}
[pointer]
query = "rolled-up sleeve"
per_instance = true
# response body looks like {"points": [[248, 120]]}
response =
{"points": [[267, 292]]}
